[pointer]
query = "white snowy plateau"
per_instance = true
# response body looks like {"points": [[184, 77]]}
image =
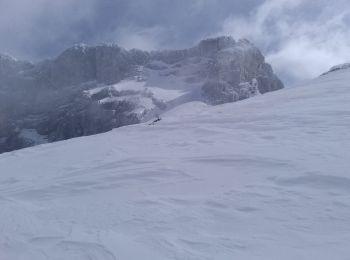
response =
{"points": [[265, 178]]}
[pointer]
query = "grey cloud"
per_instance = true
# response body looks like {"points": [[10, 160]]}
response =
{"points": [[301, 38], [32, 29], [35, 29]]}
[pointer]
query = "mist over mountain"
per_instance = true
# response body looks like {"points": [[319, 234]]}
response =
{"points": [[92, 89], [174, 130]]}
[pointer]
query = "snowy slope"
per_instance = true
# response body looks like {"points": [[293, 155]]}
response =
{"points": [[265, 178]]}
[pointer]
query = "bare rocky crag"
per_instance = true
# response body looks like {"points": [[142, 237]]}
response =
{"points": [[72, 95]]}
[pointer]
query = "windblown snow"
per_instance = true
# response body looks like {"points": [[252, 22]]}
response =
{"points": [[265, 178]]}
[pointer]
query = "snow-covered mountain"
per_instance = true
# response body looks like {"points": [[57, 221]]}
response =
{"points": [[265, 178], [92, 89]]}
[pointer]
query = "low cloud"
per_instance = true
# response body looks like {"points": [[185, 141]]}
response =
{"points": [[300, 39], [32, 29], [38, 29], [147, 39]]}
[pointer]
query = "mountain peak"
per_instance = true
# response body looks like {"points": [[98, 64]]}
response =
{"points": [[217, 43], [10, 65]]}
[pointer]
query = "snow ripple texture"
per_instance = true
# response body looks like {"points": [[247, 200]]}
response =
{"points": [[265, 178]]}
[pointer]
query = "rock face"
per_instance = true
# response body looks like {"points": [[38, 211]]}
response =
{"points": [[88, 90]]}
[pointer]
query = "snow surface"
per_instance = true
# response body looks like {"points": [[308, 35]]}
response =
{"points": [[156, 88], [265, 178], [141, 86]]}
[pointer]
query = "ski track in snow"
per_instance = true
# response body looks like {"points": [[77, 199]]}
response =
{"points": [[266, 178]]}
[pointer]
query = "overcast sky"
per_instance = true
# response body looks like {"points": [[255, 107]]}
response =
{"points": [[300, 38]]}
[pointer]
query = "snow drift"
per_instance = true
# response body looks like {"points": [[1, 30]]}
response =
{"points": [[265, 178]]}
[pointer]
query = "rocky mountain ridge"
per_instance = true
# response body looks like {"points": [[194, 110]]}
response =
{"points": [[92, 89]]}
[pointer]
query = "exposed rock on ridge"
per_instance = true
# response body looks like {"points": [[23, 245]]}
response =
{"points": [[92, 89]]}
